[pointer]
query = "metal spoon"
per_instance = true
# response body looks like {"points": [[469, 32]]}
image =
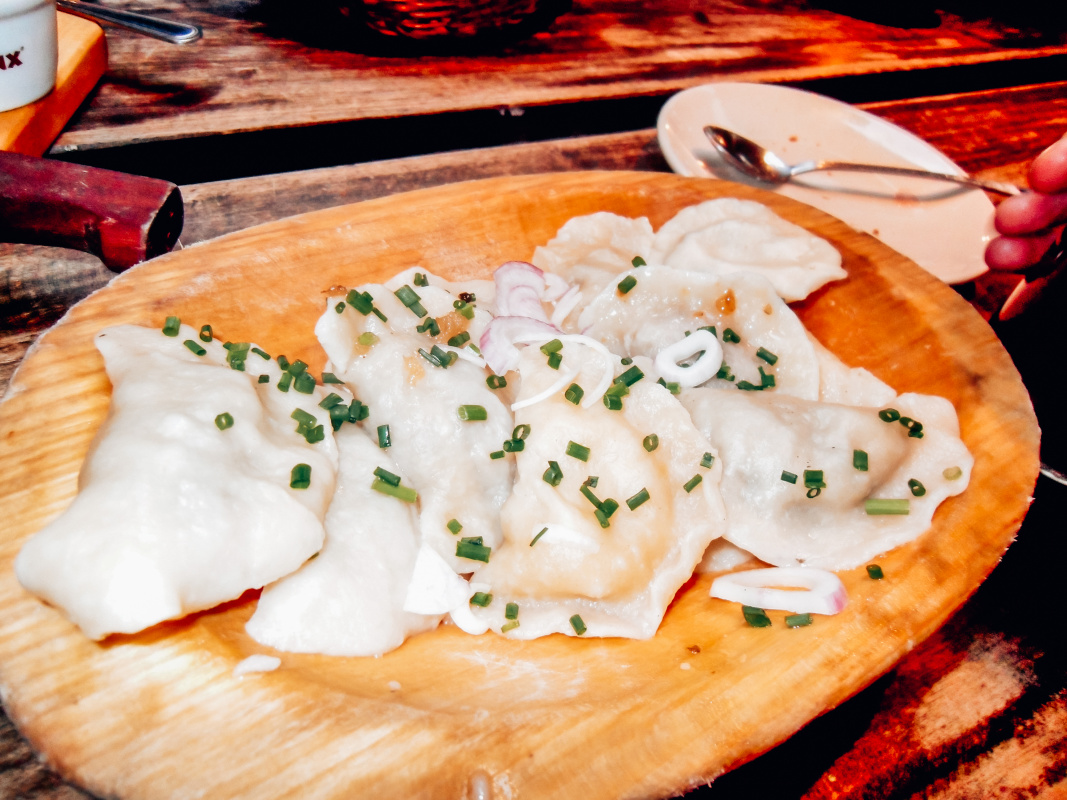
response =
{"points": [[173, 32], [761, 164]]}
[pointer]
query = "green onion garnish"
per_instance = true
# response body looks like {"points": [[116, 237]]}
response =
{"points": [[367, 339], [430, 326], [587, 493], [261, 353], [283, 362], [454, 526], [730, 335], [459, 339], [879, 506], [419, 279], [552, 347], [300, 477], [747, 386], [172, 326], [385, 475], [630, 377], [540, 533], [574, 393], [591, 481], [521, 431], [952, 474], [638, 499], [789, 477], [405, 493], [889, 415], [579, 451], [637, 261], [496, 454], [612, 402], [798, 620], [463, 308], [767, 356], [361, 301], [496, 381], [481, 599], [330, 400], [284, 382], [509, 626], [511, 611], [756, 617], [578, 625], [329, 377], [553, 475], [473, 549], [707, 461], [617, 389], [304, 383], [340, 307], [725, 374], [692, 483], [626, 284], [766, 379], [194, 347], [406, 295], [915, 428], [384, 439], [859, 460], [358, 411], [472, 413], [205, 333], [264, 379], [224, 421], [874, 572], [650, 442], [438, 357], [917, 489], [555, 359], [514, 446], [813, 479], [303, 417], [297, 368]]}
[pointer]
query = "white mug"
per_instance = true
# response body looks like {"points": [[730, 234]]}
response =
{"points": [[29, 51]]}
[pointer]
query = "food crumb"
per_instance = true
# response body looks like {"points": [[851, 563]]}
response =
{"points": [[394, 686], [685, 665], [257, 663], [693, 648]]}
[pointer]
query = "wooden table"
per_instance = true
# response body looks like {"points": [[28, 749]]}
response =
{"points": [[977, 710]]}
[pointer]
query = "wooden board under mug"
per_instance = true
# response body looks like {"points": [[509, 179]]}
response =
{"points": [[160, 714]]}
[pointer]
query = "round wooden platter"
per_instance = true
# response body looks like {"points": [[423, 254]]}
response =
{"points": [[161, 715]]}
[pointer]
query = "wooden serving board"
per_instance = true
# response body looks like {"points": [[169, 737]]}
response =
{"points": [[160, 714], [31, 129]]}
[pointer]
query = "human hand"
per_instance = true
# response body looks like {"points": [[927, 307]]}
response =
{"points": [[1029, 223]]}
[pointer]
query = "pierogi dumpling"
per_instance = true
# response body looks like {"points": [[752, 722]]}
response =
{"points": [[762, 436], [445, 458], [665, 303], [348, 600], [175, 511], [727, 235], [558, 559]]}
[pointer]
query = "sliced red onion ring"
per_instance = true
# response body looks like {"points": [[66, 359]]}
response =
{"points": [[498, 342], [555, 287], [701, 370], [609, 360], [824, 593], [519, 289]]}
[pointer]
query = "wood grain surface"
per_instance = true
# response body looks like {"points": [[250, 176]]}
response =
{"points": [[269, 64], [160, 715]]}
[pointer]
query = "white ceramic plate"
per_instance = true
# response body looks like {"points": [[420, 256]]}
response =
{"points": [[942, 228]]}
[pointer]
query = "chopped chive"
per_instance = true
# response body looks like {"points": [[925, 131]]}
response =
{"points": [[481, 599], [379, 314], [889, 415], [878, 506], [602, 518], [338, 415], [707, 461], [555, 359], [206, 334], [574, 393], [725, 374], [406, 295], [650, 442], [630, 377], [952, 474], [859, 460], [789, 477], [261, 353], [430, 326], [591, 481], [510, 625], [297, 368], [612, 402], [284, 382], [638, 499], [552, 347], [264, 379], [361, 301], [637, 261], [316, 434], [756, 617], [540, 533], [300, 477], [578, 625], [730, 335], [514, 446], [384, 438], [303, 417], [587, 493], [385, 475], [172, 326], [874, 572], [626, 284], [283, 363], [627, 361], [766, 379], [367, 339], [194, 347], [814, 491], [463, 308], [798, 620], [472, 413], [496, 381], [419, 279], [473, 549], [579, 451], [813, 479], [767, 356], [405, 493], [329, 377], [459, 339], [521, 431], [692, 483], [224, 421], [304, 383], [917, 489], [497, 454], [915, 428], [340, 307], [619, 390], [553, 475], [454, 526], [330, 400], [609, 507], [357, 411], [511, 611]]}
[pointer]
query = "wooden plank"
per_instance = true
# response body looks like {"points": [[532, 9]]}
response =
{"points": [[31, 129], [292, 68]]}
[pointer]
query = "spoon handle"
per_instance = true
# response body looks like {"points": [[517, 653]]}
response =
{"points": [[966, 180], [164, 29]]}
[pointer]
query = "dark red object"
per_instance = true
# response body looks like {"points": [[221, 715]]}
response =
{"points": [[123, 219]]}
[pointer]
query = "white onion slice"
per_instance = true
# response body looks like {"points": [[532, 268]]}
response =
{"points": [[561, 534], [701, 370], [565, 305], [555, 287], [519, 289], [498, 342], [463, 617], [821, 592], [562, 381]]}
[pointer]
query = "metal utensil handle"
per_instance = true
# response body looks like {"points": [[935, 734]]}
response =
{"points": [[173, 32], [966, 180]]}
